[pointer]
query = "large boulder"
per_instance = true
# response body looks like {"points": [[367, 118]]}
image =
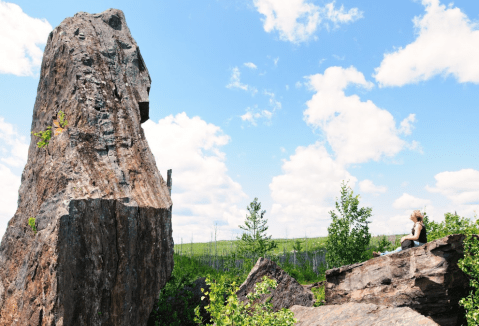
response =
{"points": [[288, 292], [426, 279], [358, 314], [104, 247]]}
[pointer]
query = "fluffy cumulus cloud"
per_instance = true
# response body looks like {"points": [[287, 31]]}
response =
{"points": [[407, 201], [203, 193], [461, 187], [297, 20], [368, 186], [20, 39], [357, 131], [447, 43], [306, 190]]}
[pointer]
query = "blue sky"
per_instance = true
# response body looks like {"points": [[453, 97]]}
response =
{"points": [[282, 100]]}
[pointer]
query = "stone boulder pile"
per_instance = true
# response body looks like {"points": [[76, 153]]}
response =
{"points": [[103, 246]]}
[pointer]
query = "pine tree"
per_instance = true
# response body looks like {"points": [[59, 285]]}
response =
{"points": [[254, 240]]}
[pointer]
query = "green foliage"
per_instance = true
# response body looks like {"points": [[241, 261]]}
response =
{"points": [[452, 224], [348, 234], [319, 296], [61, 119], [233, 312], [384, 244], [185, 271], [31, 222], [45, 137], [254, 240], [297, 246]]}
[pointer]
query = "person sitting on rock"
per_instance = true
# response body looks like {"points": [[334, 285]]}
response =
{"points": [[417, 238]]}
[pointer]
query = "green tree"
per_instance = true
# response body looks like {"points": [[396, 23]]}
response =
{"points": [[348, 233], [254, 240], [470, 265], [452, 224]]}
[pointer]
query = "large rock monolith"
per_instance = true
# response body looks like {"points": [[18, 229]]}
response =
{"points": [[103, 247], [425, 279]]}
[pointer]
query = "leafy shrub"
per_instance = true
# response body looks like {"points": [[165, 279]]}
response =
{"points": [[233, 312], [31, 223], [470, 265], [45, 137], [176, 303], [348, 234], [319, 295]]}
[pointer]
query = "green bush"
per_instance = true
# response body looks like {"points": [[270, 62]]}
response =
{"points": [[233, 312], [348, 234], [175, 306], [45, 137], [32, 224]]}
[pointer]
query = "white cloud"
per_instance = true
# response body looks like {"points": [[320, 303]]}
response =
{"points": [[298, 84], [8, 196], [369, 187], [407, 201], [407, 124], [13, 146], [357, 131], [203, 192], [461, 187], [235, 82], [20, 37], [447, 43], [250, 65], [306, 190], [297, 20], [251, 116]]}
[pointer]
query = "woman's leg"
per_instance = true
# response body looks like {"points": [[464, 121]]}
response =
{"points": [[391, 252]]}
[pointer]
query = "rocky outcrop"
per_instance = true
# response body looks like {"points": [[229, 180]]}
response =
{"points": [[358, 314], [288, 292], [426, 279], [104, 247]]}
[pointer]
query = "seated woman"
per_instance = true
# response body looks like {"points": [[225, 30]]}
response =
{"points": [[418, 234]]}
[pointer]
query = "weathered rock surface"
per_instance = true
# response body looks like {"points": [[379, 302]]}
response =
{"points": [[426, 279], [104, 247], [358, 314], [288, 292]]}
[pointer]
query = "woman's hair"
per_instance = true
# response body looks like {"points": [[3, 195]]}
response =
{"points": [[417, 213]]}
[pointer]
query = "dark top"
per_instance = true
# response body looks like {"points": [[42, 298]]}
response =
{"points": [[422, 235]]}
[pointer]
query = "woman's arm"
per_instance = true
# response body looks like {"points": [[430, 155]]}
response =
{"points": [[417, 232], [414, 237]]}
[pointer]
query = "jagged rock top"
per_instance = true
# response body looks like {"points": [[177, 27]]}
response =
{"points": [[93, 71]]}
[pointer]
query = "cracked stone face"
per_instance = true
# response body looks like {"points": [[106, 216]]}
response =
{"points": [[104, 248]]}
